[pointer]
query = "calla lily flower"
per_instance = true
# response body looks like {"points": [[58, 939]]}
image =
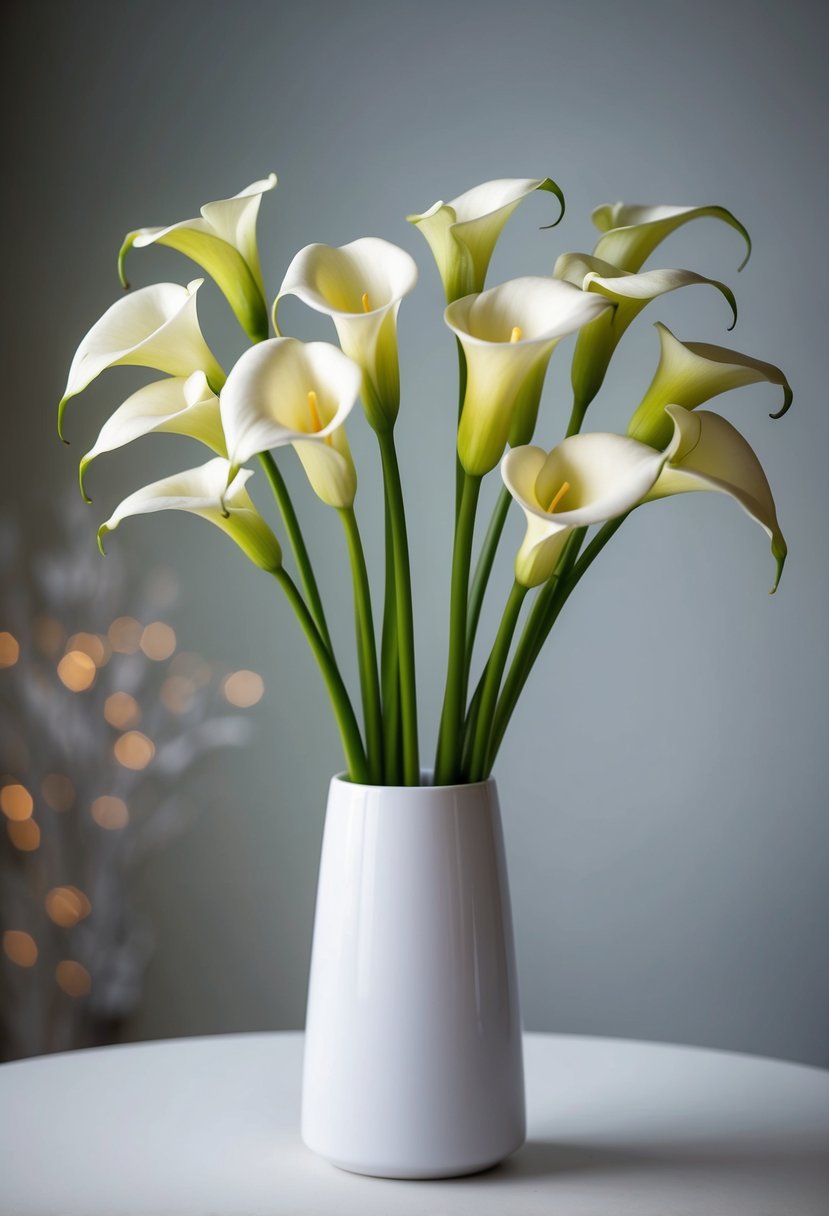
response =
{"points": [[204, 491], [691, 373], [463, 232], [630, 293], [586, 479], [154, 327], [360, 287], [177, 406], [631, 232], [222, 240], [708, 453], [284, 391], [508, 334]]}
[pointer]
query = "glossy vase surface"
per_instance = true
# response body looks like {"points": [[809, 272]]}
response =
{"points": [[413, 1064]]}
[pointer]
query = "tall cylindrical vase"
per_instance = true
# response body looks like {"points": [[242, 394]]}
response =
{"points": [[413, 1064]]}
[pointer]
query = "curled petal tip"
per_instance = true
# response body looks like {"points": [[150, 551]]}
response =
{"points": [[102, 531], [552, 188], [122, 255], [780, 555], [732, 303], [788, 397], [61, 411], [82, 467], [745, 235]]}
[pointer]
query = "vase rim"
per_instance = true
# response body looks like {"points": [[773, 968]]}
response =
{"points": [[425, 783]]}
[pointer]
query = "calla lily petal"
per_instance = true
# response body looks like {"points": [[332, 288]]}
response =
{"points": [[631, 293], [691, 373], [708, 453], [508, 334], [154, 327], [284, 391], [223, 242], [586, 479], [462, 233], [631, 231], [204, 491], [177, 406], [360, 287]]}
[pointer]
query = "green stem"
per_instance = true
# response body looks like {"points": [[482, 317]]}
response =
{"points": [[483, 568], [448, 761], [389, 666], [297, 541], [343, 712], [471, 724], [366, 647], [529, 645], [545, 612], [403, 607], [479, 770]]}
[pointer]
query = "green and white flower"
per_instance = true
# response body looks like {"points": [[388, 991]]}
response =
{"points": [[462, 233], [222, 240], [631, 232], [586, 479], [630, 293], [284, 391], [508, 334], [156, 327], [708, 453], [691, 373], [176, 406], [360, 286], [205, 491]]}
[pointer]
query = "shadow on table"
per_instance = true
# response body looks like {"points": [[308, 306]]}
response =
{"points": [[546, 1158]]}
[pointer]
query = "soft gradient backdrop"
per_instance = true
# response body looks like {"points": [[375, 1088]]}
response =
{"points": [[664, 784]]}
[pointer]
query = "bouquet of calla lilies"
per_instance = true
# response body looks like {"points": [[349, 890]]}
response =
{"points": [[284, 392]]}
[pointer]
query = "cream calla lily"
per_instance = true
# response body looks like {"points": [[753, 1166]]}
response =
{"points": [[204, 491], [177, 406], [691, 373], [156, 327], [708, 453], [360, 286], [631, 232], [284, 391], [463, 232], [508, 334], [586, 479], [222, 240], [631, 293]]}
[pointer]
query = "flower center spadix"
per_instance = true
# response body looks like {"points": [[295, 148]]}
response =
{"points": [[365, 302], [316, 420], [517, 334], [557, 497]]}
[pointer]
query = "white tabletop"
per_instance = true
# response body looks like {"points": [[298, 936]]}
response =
{"points": [[208, 1127]]}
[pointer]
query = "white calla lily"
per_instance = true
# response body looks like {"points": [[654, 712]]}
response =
{"points": [[284, 391], [204, 491], [508, 334], [462, 233], [360, 286], [631, 293], [156, 327], [691, 373], [222, 240], [708, 453], [176, 406], [586, 479], [631, 232]]}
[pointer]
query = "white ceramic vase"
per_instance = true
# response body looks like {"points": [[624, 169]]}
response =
{"points": [[413, 1064]]}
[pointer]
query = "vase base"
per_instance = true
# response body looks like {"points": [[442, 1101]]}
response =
{"points": [[413, 1173]]}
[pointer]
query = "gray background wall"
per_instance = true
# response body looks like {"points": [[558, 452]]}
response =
{"points": [[664, 784]]}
